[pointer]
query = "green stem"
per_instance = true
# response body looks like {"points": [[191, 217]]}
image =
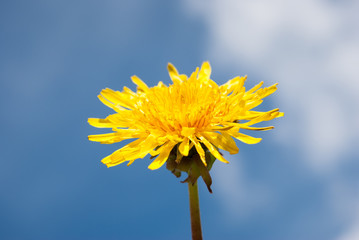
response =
{"points": [[194, 209]]}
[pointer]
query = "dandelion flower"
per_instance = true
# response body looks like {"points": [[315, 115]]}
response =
{"points": [[185, 124], [193, 114]]}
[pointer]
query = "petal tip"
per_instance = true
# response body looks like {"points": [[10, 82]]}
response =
{"points": [[171, 68], [152, 167]]}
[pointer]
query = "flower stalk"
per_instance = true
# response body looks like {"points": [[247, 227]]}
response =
{"points": [[194, 210]]}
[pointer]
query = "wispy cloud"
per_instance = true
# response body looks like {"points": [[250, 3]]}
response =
{"points": [[312, 49], [241, 197], [352, 232]]}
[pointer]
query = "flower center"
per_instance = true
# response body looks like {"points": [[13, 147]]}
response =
{"points": [[180, 109]]}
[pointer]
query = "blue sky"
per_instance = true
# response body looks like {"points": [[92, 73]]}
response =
{"points": [[300, 182]]}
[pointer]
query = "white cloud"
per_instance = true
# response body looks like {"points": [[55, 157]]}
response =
{"points": [[240, 197], [352, 232], [311, 48]]}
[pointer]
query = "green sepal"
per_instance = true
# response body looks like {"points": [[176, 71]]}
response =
{"points": [[192, 165]]}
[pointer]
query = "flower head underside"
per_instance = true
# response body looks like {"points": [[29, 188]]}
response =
{"points": [[193, 113]]}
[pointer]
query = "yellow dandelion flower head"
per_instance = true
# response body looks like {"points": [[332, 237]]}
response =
{"points": [[192, 114]]}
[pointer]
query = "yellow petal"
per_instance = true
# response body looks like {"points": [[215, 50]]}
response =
{"points": [[128, 92], [112, 121], [253, 89], [183, 77], [100, 123], [101, 137], [236, 126], [122, 119], [245, 138], [117, 136], [199, 149], [253, 103], [235, 83], [106, 102], [186, 131], [222, 141], [257, 128], [141, 86], [193, 77], [117, 157], [266, 117], [162, 157], [132, 151], [106, 138], [173, 73], [108, 162], [280, 114], [212, 149], [219, 128], [205, 71], [268, 90], [184, 147], [161, 84], [117, 98]]}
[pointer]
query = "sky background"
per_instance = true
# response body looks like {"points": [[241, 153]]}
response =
{"points": [[300, 183]]}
